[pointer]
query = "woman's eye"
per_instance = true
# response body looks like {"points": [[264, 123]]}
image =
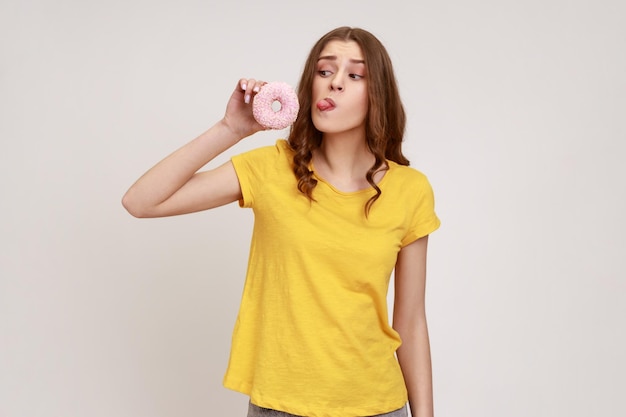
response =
{"points": [[324, 73], [356, 76]]}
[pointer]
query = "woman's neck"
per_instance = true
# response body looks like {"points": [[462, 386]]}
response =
{"points": [[343, 160]]}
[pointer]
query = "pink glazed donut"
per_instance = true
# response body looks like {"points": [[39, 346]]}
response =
{"points": [[262, 105]]}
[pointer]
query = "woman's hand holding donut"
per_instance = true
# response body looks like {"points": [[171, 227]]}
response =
{"points": [[239, 117]]}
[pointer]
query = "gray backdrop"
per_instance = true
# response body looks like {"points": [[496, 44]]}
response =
{"points": [[516, 114]]}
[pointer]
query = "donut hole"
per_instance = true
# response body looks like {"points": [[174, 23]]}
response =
{"points": [[276, 106]]}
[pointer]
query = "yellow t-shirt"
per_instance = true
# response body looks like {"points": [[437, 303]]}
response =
{"points": [[312, 337]]}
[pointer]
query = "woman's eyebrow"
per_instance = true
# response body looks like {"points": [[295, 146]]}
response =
{"points": [[334, 58]]}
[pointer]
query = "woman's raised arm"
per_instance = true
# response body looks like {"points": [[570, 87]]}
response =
{"points": [[174, 185]]}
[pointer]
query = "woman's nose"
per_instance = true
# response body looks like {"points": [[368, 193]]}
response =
{"points": [[337, 83]]}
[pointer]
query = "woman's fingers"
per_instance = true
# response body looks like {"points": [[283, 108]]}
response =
{"points": [[239, 115], [250, 86]]}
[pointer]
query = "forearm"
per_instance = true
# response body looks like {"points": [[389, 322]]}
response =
{"points": [[169, 175], [415, 361]]}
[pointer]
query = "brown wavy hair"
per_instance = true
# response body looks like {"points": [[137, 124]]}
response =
{"points": [[385, 121]]}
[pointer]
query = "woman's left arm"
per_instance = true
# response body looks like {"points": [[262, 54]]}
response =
{"points": [[409, 320]]}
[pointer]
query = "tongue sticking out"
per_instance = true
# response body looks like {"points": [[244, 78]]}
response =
{"points": [[324, 105]]}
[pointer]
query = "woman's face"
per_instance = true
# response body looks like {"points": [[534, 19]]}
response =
{"points": [[340, 88]]}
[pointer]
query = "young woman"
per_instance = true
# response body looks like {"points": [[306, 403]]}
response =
{"points": [[337, 211]]}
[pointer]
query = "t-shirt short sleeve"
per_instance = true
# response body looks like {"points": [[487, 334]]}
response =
{"points": [[424, 220], [257, 166]]}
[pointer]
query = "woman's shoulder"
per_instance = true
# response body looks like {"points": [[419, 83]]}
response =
{"points": [[263, 162], [408, 185], [283, 147], [406, 173], [280, 149]]}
